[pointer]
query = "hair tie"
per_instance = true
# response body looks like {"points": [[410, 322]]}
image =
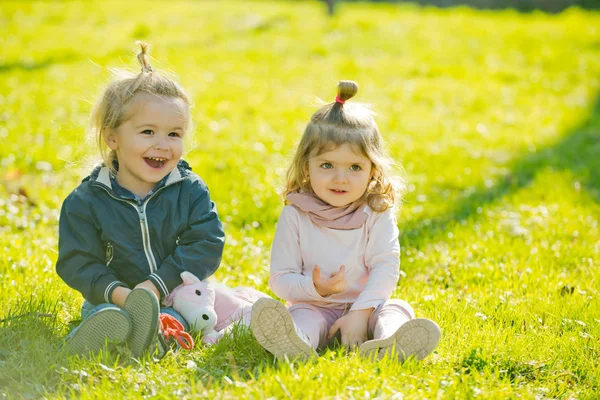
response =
{"points": [[338, 100], [147, 69]]}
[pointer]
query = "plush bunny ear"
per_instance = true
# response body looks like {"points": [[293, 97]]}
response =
{"points": [[189, 278]]}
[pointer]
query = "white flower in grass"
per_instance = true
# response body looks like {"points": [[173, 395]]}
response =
{"points": [[482, 316]]}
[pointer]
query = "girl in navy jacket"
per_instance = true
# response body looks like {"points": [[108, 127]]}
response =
{"points": [[139, 219]]}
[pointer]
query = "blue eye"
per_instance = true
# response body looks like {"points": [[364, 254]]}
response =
{"points": [[326, 165], [355, 167]]}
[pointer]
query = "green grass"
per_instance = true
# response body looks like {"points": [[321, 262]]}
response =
{"points": [[494, 115]]}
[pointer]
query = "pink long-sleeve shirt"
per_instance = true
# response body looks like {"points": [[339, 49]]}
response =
{"points": [[371, 255]]}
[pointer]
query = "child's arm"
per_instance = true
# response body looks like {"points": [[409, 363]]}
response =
{"points": [[382, 258], [81, 257], [200, 246], [287, 280]]}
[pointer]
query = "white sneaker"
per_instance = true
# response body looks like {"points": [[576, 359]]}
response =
{"points": [[274, 328], [416, 337]]}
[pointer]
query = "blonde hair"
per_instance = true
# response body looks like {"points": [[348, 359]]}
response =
{"points": [[111, 108], [338, 123]]}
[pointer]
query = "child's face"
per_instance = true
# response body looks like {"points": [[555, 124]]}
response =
{"points": [[150, 142], [339, 176]]}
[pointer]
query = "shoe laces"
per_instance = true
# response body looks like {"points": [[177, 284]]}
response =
{"points": [[173, 328]]}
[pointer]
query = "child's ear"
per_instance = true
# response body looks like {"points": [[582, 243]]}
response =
{"points": [[110, 138], [305, 170]]}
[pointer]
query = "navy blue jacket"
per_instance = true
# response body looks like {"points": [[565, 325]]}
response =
{"points": [[109, 239]]}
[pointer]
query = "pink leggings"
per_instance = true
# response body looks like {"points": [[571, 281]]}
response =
{"points": [[315, 321]]}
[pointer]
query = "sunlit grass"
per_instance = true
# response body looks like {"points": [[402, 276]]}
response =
{"points": [[494, 116]]}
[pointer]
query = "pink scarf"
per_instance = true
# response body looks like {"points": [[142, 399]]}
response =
{"points": [[351, 216]]}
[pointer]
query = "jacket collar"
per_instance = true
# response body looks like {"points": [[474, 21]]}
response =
{"points": [[102, 175]]}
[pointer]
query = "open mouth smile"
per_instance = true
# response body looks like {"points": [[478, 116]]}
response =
{"points": [[155, 162]]}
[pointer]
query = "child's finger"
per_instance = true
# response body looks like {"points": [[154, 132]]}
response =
{"points": [[316, 274], [334, 328], [336, 273], [339, 276], [345, 341]]}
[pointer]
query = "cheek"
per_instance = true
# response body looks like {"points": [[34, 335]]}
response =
{"points": [[362, 181], [133, 145], [318, 179], [177, 148]]}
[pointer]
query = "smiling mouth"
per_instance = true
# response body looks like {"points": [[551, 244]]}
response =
{"points": [[335, 191], [155, 162]]}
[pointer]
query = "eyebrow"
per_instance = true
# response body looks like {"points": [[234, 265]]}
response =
{"points": [[177, 128], [321, 159]]}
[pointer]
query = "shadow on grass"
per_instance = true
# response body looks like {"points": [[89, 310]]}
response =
{"points": [[29, 343], [33, 65], [578, 152], [550, 6]]}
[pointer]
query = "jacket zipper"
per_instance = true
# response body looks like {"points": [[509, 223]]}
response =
{"points": [[141, 211]]}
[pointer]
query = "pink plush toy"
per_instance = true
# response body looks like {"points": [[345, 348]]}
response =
{"points": [[211, 307]]}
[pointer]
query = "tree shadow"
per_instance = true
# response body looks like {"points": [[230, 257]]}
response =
{"points": [[578, 152], [550, 6], [34, 65], [29, 342]]}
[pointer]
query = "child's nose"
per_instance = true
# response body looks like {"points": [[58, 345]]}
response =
{"points": [[340, 175], [161, 144]]}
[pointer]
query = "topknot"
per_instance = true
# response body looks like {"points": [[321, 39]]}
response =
{"points": [[347, 90], [143, 57]]}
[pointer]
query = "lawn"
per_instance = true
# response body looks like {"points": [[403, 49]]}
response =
{"points": [[494, 116]]}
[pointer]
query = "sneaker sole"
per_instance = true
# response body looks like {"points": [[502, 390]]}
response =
{"points": [[417, 337], [143, 309], [109, 325], [273, 327]]}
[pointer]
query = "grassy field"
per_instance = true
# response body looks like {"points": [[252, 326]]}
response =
{"points": [[495, 117]]}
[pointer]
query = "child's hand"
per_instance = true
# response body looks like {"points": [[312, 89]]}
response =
{"points": [[336, 283], [353, 327], [119, 295], [149, 285]]}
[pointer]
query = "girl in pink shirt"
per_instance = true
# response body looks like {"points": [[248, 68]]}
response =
{"points": [[335, 256]]}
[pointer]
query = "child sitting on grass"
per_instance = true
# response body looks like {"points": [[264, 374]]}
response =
{"points": [[335, 255], [139, 219]]}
